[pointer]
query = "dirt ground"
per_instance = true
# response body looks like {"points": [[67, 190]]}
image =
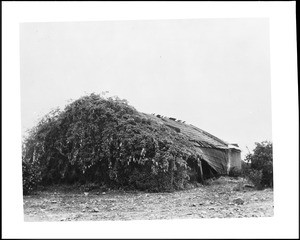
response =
{"points": [[225, 197]]}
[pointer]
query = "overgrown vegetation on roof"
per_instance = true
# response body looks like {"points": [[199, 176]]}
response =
{"points": [[106, 141]]}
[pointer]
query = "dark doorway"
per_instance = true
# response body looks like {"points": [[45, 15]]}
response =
{"points": [[208, 171]]}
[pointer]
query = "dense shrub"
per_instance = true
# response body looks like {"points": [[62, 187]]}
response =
{"points": [[258, 166], [234, 172], [31, 173], [31, 177], [255, 176], [104, 140]]}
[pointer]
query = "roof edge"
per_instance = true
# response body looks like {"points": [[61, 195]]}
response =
{"points": [[211, 136]]}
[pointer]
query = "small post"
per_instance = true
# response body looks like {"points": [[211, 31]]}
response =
{"points": [[201, 172]]}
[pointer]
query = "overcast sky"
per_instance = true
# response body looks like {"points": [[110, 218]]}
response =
{"points": [[212, 73]]}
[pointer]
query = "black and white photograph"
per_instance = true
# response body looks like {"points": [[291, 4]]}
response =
{"points": [[129, 120], [153, 149]]}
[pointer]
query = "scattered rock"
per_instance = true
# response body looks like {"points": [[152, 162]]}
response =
{"points": [[86, 193], [201, 203], [104, 193], [211, 208], [237, 188], [238, 201], [193, 205], [95, 210], [54, 201]]}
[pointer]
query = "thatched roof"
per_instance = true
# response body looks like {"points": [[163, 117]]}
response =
{"points": [[195, 134], [212, 149]]}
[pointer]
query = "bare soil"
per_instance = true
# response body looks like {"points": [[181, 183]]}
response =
{"points": [[225, 197]]}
